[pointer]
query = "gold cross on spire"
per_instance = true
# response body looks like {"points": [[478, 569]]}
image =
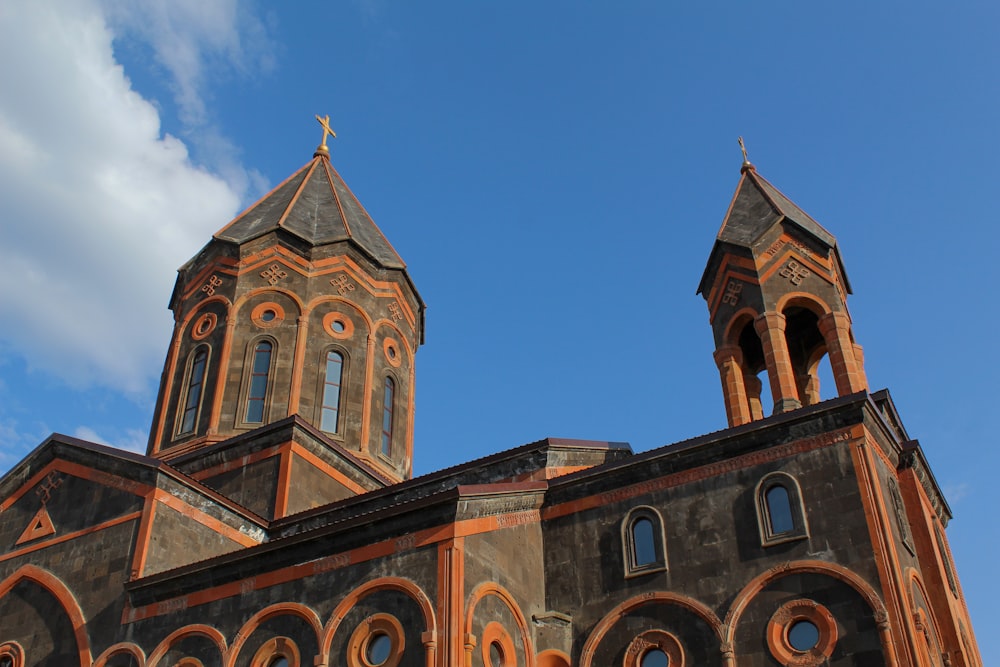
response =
{"points": [[324, 122]]}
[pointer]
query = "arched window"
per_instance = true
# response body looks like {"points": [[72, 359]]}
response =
{"points": [[332, 381], [388, 400], [779, 510], [260, 371], [780, 515], [195, 385], [642, 542]]}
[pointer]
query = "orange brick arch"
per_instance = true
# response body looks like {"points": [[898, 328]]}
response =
{"points": [[53, 585], [197, 629], [118, 649], [613, 616], [492, 588], [758, 583], [405, 586], [280, 609]]}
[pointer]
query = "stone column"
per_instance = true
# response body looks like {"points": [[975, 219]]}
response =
{"points": [[771, 329], [753, 386], [729, 359], [836, 330]]}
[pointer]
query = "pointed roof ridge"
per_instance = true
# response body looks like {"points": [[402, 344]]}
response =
{"points": [[318, 210], [783, 204], [273, 191], [298, 190]]}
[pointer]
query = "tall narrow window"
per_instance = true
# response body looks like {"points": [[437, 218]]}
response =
{"points": [[781, 516], [779, 510], [642, 542], [259, 373], [330, 412], [387, 416], [643, 546], [196, 381]]}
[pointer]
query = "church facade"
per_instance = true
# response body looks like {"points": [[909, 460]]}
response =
{"points": [[274, 520]]}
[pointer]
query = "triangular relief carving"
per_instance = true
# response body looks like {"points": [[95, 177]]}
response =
{"points": [[39, 526]]}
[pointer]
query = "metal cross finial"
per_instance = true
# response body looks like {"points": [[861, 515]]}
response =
{"points": [[746, 161], [324, 122]]}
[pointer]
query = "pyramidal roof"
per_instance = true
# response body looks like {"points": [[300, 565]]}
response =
{"points": [[315, 205], [757, 206]]}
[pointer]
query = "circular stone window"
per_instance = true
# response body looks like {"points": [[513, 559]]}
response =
{"points": [[378, 641], [498, 647], [802, 633], [391, 348], [267, 315], [338, 325], [203, 326], [655, 648]]}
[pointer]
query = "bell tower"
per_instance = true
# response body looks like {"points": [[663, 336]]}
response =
{"points": [[299, 309], [777, 291]]}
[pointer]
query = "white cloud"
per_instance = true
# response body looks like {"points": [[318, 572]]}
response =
{"points": [[196, 43], [98, 209], [133, 440]]}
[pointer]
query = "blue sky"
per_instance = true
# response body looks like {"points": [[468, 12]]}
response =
{"points": [[553, 174]]}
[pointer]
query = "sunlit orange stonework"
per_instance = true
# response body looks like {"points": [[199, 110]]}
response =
{"points": [[274, 519]]}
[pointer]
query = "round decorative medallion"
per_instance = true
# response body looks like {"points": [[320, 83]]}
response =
{"points": [[392, 354], [267, 315], [654, 648], [498, 647], [204, 325], [378, 641], [338, 325], [802, 633]]}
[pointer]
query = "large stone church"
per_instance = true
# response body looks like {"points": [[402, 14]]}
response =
{"points": [[274, 520]]}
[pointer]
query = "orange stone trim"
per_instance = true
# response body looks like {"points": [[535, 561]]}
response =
{"points": [[62, 594], [654, 639], [758, 583], [240, 462], [328, 469], [653, 597], [404, 586], [371, 627], [770, 327], [697, 474], [143, 537], [39, 526], [817, 268], [786, 617], [76, 470], [718, 291], [492, 588], [120, 648], [451, 580], [13, 651], [255, 621], [884, 550], [204, 519], [552, 658], [494, 632], [69, 536], [197, 629]]}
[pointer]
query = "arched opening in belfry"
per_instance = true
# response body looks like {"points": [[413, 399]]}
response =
{"points": [[807, 351], [758, 388]]}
